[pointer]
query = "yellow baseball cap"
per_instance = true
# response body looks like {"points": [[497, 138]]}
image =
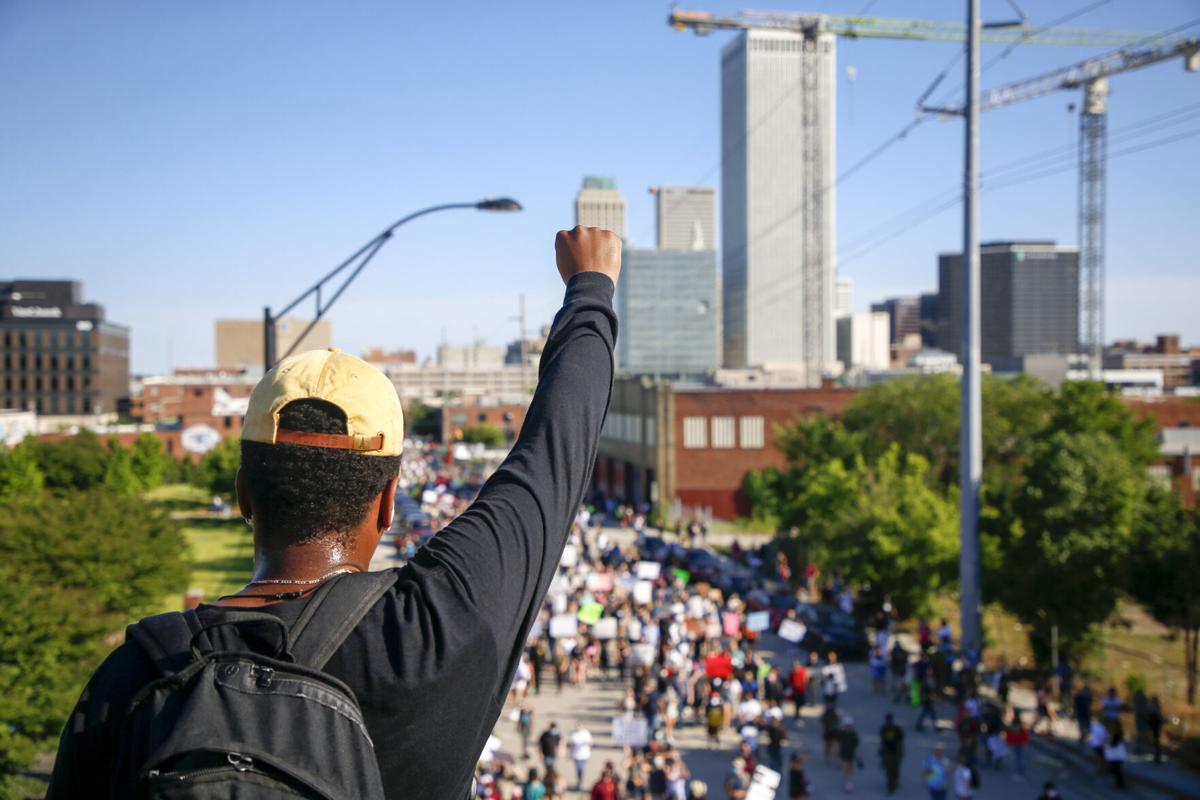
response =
{"points": [[374, 419]]}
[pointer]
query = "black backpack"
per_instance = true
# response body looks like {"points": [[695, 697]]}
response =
{"points": [[228, 721]]}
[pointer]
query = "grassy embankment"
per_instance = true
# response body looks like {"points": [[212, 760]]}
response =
{"points": [[222, 546]]}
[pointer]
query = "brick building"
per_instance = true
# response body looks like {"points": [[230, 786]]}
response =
{"points": [[200, 407], [1177, 420], [693, 445], [506, 417]]}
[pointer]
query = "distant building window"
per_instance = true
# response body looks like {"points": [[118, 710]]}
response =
{"points": [[694, 433], [195, 392], [458, 419], [1196, 479], [650, 430], [722, 432], [482, 417], [751, 433], [228, 422]]}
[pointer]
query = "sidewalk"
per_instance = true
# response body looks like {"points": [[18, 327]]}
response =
{"points": [[1170, 778]]}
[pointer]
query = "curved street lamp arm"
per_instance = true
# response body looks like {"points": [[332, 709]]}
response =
{"points": [[387, 232], [363, 256]]}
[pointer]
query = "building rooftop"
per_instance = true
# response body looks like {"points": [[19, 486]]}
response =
{"points": [[599, 182]]}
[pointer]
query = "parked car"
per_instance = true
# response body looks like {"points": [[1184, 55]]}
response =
{"points": [[705, 565], [829, 628]]}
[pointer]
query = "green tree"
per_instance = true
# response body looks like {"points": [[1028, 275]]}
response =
{"points": [[150, 461], [50, 640], [20, 476], [126, 553], [484, 433], [882, 525], [76, 462], [1162, 572], [919, 414], [1060, 555], [423, 421], [74, 568], [118, 471], [218, 468]]}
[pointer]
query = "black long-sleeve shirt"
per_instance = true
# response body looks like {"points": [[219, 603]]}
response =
{"points": [[431, 662]]}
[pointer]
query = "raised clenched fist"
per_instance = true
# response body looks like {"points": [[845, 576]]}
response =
{"points": [[587, 250]]}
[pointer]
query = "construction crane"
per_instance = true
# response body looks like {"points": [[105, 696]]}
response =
{"points": [[818, 31], [703, 23], [1092, 76]]}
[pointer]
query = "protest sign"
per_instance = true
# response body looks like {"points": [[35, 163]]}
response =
{"points": [[643, 593], [600, 582], [682, 575], [718, 665], [562, 625], [643, 655], [792, 631], [758, 621], [764, 784], [605, 628], [731, 623], [590, 613], [631, 731], [648, 570]]}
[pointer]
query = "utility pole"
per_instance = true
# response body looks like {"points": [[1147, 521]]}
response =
{"points": [[971, 415]]}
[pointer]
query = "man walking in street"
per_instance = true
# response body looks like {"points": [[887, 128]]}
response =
{"points": [[548, 744], [426, 652], [848, 752], [891, 750], [936, 774], [581, 750]]}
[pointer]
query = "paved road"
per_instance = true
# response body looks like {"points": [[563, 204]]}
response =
{"points": [[594, 705]]}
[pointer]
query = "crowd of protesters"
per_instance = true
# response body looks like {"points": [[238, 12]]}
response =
{"points": [[686, 654]]}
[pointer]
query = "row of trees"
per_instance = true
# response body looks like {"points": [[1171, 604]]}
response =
{"points": [[1070, 520], [81, 555]]}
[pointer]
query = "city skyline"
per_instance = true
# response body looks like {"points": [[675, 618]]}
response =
{"points": [[190, 165]]}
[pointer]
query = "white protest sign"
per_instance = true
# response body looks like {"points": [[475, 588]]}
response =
{"points": [[643, 655], [570, 556], [648, 570], [792, 631], [643, 593], [758, 621], [563, 625], [630, 731], [605, 628], [763, 784]]}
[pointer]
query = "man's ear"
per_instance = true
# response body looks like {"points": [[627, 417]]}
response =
{"points": [[243, 495], [387, 504]]}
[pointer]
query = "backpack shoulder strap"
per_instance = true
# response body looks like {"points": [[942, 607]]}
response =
{"points": [[166, 638], [333, 612]]}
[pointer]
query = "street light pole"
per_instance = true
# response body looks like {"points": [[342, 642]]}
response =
{"points": [[360, 259], [971, 414]]}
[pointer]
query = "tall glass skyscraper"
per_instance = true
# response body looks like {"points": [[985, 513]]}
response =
{"points": [[668, 308]]}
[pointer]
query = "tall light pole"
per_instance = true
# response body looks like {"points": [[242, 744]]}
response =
{"points": [[360, 259], [971, 414]]}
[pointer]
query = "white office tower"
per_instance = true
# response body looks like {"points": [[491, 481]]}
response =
{"points": [[686, 217], [863, 341], [778, 200], [600, 205]]}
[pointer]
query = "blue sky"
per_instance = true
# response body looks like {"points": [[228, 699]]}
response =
{"points": [[189, 161]]}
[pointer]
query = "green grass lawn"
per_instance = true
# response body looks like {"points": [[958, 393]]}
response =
{"points": [[222, 547]]}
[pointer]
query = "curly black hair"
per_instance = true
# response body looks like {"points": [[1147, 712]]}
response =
{"points": [[300, 492]]}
